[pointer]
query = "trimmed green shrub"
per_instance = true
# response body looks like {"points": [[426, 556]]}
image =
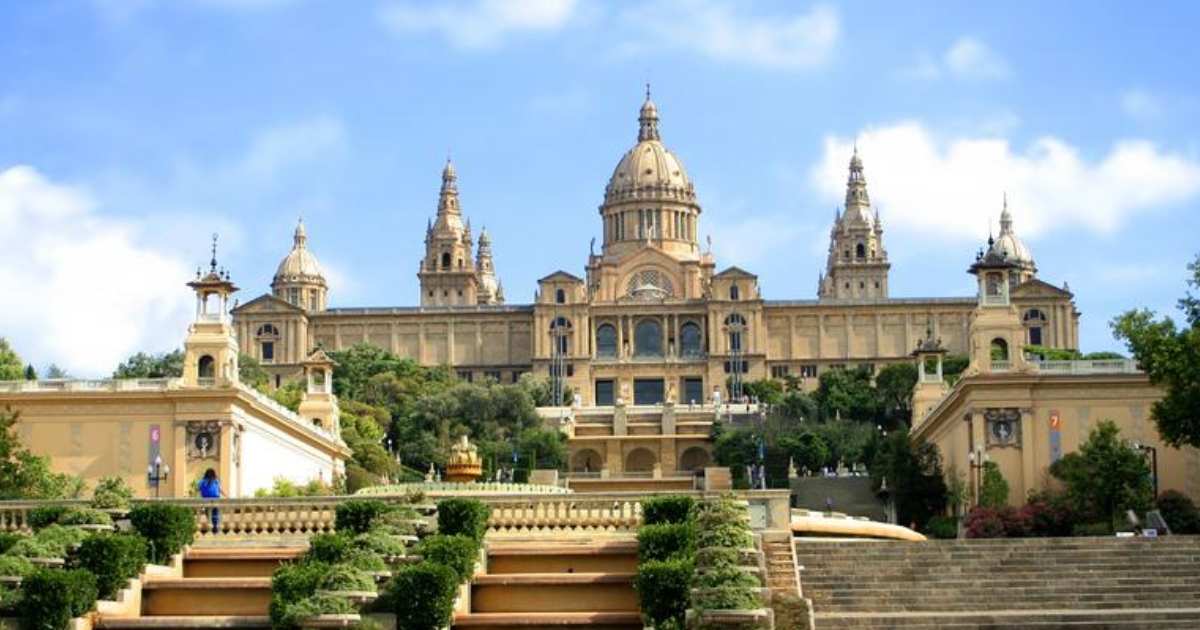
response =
{"points": [[423, 595], [60, 539], [1093, 529], [290, 584], [113, 559], [83, 516], [380, 543], [343, 577], [665, 541], [8, 539], [45, 515], [400, 521], [726, 535], [51, 598], [1179, 512], [663, 587], [34, 548], [356, 516], [457, 552], [725, 577], [294, 613], [112, 493], [366, 560], [10, 600], [718, 557], [668, 509], [329, 548], [468, 517], [15, 566], [944, 527], [166, 528], [731, 598]]}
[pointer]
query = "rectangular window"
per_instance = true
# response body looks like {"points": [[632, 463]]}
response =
{"points": [[493, 375], [465, 375], [268, 351], [693, 391], [648, 391], [294, 296], [1035, 335], [604, 393], [516, 375], [808, 371], [779, 371]]}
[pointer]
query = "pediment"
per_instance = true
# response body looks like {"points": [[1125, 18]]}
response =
{"points": [[1035, 288], [267, 303], [735, 272], [560, 276]]}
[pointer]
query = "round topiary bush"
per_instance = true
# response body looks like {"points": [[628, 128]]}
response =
{"points": [[468, 517], [166, 528], [663, 588], [113, 558], [52, 597], [83, 516], [1179, 512], [665, 541], [457, 552], [15, 566], [943, 527], [357, 516], [344, 577], [668, 509], [423, 595], [112, 493]]}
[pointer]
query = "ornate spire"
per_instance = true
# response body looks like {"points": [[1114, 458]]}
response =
{"points": [[648, 119], [300, 237], [213, 263], [1005, 218], [856, 185], [448, 197]]}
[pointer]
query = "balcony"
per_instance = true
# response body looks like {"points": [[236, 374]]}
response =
{"points": [[1098, 366]]}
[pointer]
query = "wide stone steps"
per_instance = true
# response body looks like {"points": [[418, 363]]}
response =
{"points": [[554, 592], [186, 622], [547, 621], [1023, 583]]}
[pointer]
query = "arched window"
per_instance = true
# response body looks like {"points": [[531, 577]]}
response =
{"points": [[207, 367], [445, 260], [268, 330], [560, 296], [860, 251], [606, 341], [735, 324], [647, 339], [999, 349], [691, 344], [733, 293]]}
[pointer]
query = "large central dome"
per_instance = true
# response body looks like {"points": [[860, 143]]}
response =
{"points": [[649, 170]]}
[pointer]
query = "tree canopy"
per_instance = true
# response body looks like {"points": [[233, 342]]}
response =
{"points": [[1105, 476], [144, 365], [11, 366]]}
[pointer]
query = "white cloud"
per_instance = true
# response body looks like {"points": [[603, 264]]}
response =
{"points": [[952, 186], [479, 23], [278, 148], [968, 58], [719, 31], [1141, 105], [81, 289]]}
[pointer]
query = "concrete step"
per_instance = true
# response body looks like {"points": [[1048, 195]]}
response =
{"points": [[228, 622], [235, 562], [550, 621], [565, 557], [1015, 620], [553, 592], [223, 596]]}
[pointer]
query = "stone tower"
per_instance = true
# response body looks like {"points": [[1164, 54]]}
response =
{"points": [[211, 349], [857, 266], [299, 279], [490, 290], [447, 272]]}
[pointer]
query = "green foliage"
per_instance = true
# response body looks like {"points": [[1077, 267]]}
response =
{"points": [[849, 442], [44, 515], [284, 487], [24, 475], [423, 595], [51, 598], [665, 541], [542, 448], [15, 566], [725, 577], [942, 527], [765, 390], [806, 450], [953, 365], [381, 543], [914, 474], [291, 583], [730, 598], [166, 528], [847, 394], [1179, 512], [894, 386], [11, 366], [251, 373], [84, 516], [468, 517], [1105, 476], [667, 509], [993, 491], [8, 539], [143, 365], [344, 577], [457, 552], [1170, 356], [357, 515], [34, 548], [1104, 528], [289, 395], [1051, 354], [293, 614], [59, 539], [329, 548], [112, 493], [663, 587], [113, 558]]}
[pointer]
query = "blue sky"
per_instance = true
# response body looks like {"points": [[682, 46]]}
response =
{"points": [[133, 129]]}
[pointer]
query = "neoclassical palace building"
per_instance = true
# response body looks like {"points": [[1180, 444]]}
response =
{"points": [[651, 318]]}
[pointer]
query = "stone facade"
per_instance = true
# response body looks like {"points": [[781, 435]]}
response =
{"points": [[651, 314]]}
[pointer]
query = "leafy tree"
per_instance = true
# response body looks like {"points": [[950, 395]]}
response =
{"points": [[30, 373], [542, 448], [806, 450], [143, 365], [55, 372], [1103, 356], [1105, 476], [849, 442], [797, 405], [1171, 358], [289, 395], [847, 394], [953, 365], [914, 475], [735, 448], [11, 366], [895, 386], [993, 491], [765, 390], [24, 475], [251, 372]]}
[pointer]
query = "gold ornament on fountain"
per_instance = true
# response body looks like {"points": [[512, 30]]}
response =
{"points": [[464, 465]]}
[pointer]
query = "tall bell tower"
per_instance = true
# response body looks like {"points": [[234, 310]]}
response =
{"points": [[210, 349], [447, 271], [857, 266]]}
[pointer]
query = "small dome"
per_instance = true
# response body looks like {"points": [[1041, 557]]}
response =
{"points": [[300, 264], [1008, 245], [649, 170]]}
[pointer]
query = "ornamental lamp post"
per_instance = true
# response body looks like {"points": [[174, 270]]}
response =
{"points": [[978, 459], [156, 473]]}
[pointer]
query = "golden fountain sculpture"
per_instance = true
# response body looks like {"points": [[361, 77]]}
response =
{"points": [[464, 465]]}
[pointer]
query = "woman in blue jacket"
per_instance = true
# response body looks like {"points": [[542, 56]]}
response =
{"points": [[210, 488]]}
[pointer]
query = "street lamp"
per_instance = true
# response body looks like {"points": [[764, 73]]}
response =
{"points": [[978, 459], [156, 473], [1146, 448]]}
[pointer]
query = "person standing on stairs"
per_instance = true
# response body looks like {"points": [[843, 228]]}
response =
{"points": [[210, 488]]}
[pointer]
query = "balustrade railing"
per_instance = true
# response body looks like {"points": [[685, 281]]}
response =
{"points": [[581, 514]]}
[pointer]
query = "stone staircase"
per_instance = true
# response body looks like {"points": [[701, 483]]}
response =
{"points": [[535, 585], [219, 588], [1043, 583], [781, 562]]}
